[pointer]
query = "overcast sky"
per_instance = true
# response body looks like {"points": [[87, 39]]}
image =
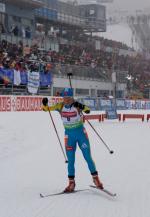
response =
{"points": [[125, 4], [131, 4]]}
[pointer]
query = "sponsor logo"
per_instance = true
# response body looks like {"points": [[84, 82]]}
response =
{"points": [[84, 146], [69, 114]]}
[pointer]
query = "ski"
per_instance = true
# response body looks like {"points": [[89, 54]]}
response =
{"points": [[61, 193], [80, 190], [105, 191]]}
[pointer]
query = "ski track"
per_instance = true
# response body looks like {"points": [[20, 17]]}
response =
{"points": [[31, 163]]}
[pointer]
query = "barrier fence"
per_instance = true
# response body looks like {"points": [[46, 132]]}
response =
{"points": [[24, 103], [120, 104], [8, 102], [34, 103]]}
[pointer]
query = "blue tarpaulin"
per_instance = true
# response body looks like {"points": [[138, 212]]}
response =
{"points": [[45, 79]]}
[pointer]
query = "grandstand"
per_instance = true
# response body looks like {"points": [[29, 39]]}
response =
{"points": [[140, 25], [50, 38]]}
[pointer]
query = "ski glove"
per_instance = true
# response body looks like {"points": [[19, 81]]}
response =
{"points": [[45, 101], [84, 108], [45, 108]]}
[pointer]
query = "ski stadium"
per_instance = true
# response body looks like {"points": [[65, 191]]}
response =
{"points": [[46, 46]]}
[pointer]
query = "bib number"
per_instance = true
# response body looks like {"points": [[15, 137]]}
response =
{"points": [[68, 118]]}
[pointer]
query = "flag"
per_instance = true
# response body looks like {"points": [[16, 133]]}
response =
{"points": [[45, 79], [6, 75], [33, 82], [17, 78]]}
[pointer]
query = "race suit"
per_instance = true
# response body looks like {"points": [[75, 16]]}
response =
{"points": [[75, 133]]}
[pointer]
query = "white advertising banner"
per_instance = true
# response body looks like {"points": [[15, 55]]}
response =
{"points": [[24, 103]]}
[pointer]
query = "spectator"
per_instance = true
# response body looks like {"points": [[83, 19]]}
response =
{"points": [[28, 32]]}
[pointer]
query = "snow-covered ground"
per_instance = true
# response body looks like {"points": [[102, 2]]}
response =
{"points": [[31, 163]]}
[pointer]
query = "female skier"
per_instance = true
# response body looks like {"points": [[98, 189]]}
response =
{"points": [[75, 133]]}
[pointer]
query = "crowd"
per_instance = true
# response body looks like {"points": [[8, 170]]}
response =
{"points": [[13, 56], [27, 58]]}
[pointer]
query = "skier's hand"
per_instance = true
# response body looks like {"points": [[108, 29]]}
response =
{"points": [[45, 101], [86, 110], [45, 108], [78, 105]]}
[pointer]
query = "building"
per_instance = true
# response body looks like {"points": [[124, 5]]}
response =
{"points": [[48, 24]]}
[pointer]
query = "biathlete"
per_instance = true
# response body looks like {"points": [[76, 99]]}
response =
{"points": [[75, 133]]}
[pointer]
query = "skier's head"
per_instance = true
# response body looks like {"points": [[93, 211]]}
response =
{"points": [[67, 94]]}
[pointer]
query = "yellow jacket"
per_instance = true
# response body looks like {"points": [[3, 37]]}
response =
{"points": [[58, 107], [71, 119]]}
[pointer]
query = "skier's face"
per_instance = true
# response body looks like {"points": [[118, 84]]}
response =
{"points": [[68, 100]]}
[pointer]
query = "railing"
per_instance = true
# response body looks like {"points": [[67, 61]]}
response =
{"points": [[22, 90], [15, 39], [43, 42], [60, 71], [83, 72], [89, 73]]}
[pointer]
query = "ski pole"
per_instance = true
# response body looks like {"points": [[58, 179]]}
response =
{"points": [[69, 76], [61, 146], [110, 151]]}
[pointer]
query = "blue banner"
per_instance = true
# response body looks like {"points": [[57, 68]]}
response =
{"points": [[111, 114], [45, 79], [50, 14], [120, 104], [130, 104], [105, 104], [147, 105], [139, 105], [24, 77], [91, 103]]}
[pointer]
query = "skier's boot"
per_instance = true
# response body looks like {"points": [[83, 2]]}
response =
{"points": [[71, 186], [97, 181]]}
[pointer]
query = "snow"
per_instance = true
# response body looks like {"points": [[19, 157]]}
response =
{"points": [[31, 163]]}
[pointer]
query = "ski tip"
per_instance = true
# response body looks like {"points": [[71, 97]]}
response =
{"points": [[109, 193], [105, 191]]}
